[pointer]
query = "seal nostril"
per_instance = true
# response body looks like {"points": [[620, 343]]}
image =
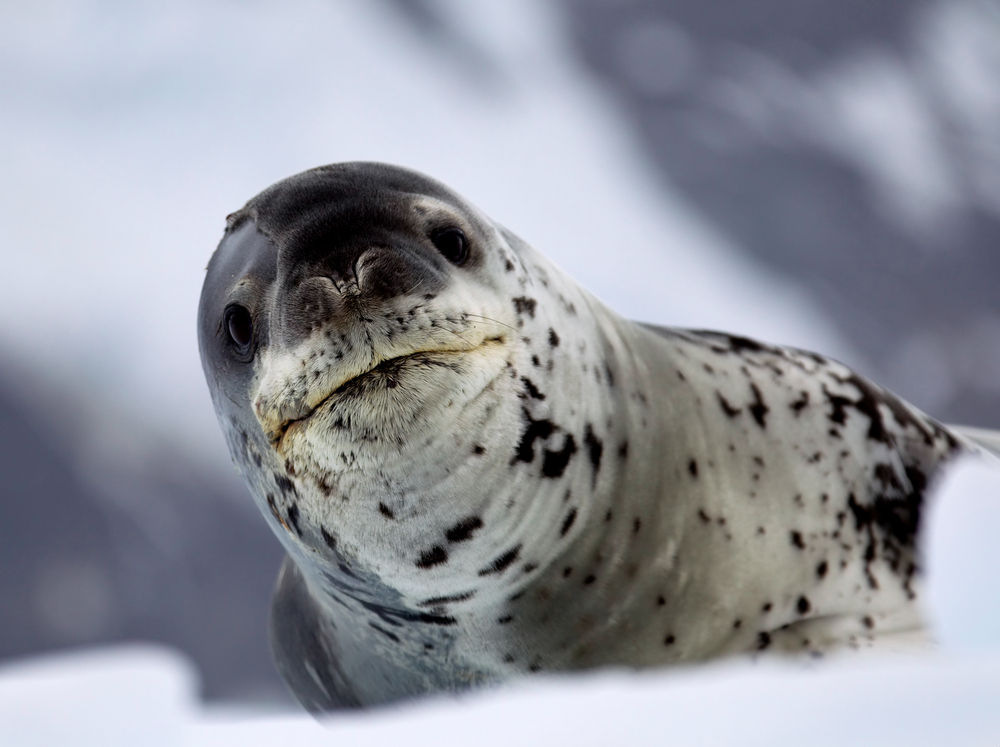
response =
{"points": [[452, 245], [240, 326]]}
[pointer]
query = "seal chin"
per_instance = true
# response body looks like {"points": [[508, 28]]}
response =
{"points": [[399, 384]]}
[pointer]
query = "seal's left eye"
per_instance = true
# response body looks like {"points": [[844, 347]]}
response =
{"points": [[240, 326], [452, 245]]}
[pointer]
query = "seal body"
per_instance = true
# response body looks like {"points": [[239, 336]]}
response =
{"points": [[478, 470]]}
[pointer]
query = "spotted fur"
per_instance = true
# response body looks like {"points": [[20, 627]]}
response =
{"points": [[478, 470]]}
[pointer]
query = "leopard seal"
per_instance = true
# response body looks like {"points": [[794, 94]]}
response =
{"points": [[478, 470]]}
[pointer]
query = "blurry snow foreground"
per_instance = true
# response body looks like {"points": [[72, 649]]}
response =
{"points": [[144, 695]]}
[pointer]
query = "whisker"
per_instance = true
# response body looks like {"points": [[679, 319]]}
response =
{"points": [[492, 320]]}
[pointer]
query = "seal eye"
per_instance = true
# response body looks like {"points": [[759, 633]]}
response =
{"points": [[240, 326], [452, 245]]}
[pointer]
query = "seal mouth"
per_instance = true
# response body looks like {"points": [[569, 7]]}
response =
{"points": [[387, 374]]}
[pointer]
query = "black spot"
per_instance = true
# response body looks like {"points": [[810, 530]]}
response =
{"points": [[464, 529], [738, 344], [607, 516], [553, 338], [636, 525], [567, 571], [868, 622], [693, 468], [501, 563], [274, 509], [328, 539], [567, 523], [623, 450], [529, 567], [660, 601], [477, 449], [726, 407], [386, 511], [838, 406], [803, 605], [435, 556], [595, 449], [285, 485], [797, 540], [763, 640], [767, 607], [556, 461], [821, 569], [669, 640], [504, 620], [801, 403], [531, 389], [293, 518], [737, 623], [525, 305], [533, 429], [438, 601], [589, 580], [758, 409], [391, 636], [703, 516], [509, 266]]}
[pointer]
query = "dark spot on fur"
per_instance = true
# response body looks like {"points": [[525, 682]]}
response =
{"points": [[567, 523], [525, 305], [801, 403], [504, 620], [595, 449], [285, 485], [763, 640], [293, 518], [386, 511], [567, 571], [607, 516], [797, 540], [726, 407], [555, 461], [502, 562], [868, 622], [508, 265], [477, 449], [636, 525], [703, 516], [623, 450], [669, 640], [821, 569], [737, 623], [534, 429], [758, 409], [589, 580], [693, 468], [464, 529], [803, 605], [391, 636], [767, 607], [553, 338], [531, 389], [438, 601], [328, 539], [660, 601], [430, 558]]}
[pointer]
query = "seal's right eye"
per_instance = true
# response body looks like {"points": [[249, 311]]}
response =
{"points": [[240, 327]]}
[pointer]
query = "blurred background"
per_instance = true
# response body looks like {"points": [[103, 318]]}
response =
{"points": [[819, 174]]}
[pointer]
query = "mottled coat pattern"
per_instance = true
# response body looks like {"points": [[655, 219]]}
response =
{"points": [[478, 470]]}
